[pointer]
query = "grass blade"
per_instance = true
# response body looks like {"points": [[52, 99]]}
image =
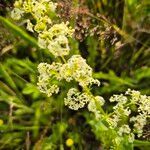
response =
{"points": [[18, 31]]}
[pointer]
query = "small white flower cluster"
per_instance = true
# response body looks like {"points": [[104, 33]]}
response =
{"points": [[135, 95], [139, 123], [142, 101], [52, 37], [47, 78], [56, 39], [143, 108], [119, 140], [75, 99], [37, 8], [122, 111], [124, 129], [76, 68]]}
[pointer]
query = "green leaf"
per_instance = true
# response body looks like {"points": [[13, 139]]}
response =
{"points": [[142, 73], [7, 77], [141, 143], [111, 76], [18, 31], [6, 88], [31, 89]]}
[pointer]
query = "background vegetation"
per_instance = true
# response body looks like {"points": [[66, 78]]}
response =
{"points": [[114, 37]]}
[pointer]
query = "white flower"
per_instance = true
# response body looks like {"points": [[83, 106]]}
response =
{"points": [[18, 3], [122, 110], [60, 29], [139, 122], [93, 108], [135, 95], [42, 42], [119, 98], [113, 121], [75, 99], [52, 6], [100, 100], [47, 88], [39, 10], [144, 104], [56, 39], [43, 39], [27, 6], [77, 68], [59, 46], [29, 26], [131, 138], [124, 129], [48, 74], [17, 13]]}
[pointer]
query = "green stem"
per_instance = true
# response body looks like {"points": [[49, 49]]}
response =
{"points": [[87, 90], [141, 143], [63, 58]]}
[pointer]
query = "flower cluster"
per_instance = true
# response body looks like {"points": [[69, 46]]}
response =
{"points": [[47, 78], [143, 108], [37, 8], [75, 99], [52, 37], [122, 112], [76, 68], [56, 39], [124, 129]]}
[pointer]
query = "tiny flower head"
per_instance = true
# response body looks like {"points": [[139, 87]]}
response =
{"points": [[69, 142], [1, 122], [75, 99]]}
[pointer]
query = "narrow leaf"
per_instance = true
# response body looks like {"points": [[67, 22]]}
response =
{"points": [[18, 31]]}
